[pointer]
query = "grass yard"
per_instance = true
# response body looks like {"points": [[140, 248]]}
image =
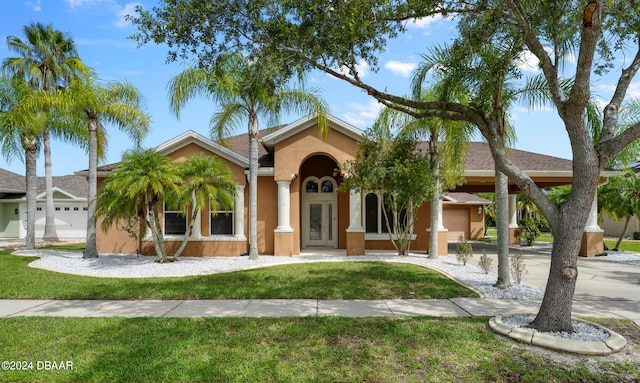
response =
{"points": [[288, 350], [343, 280]]}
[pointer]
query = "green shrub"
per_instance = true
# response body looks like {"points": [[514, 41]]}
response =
{"points": [[485, 262], [518, 268], [529, 230], [636, 235], [464, 251]]}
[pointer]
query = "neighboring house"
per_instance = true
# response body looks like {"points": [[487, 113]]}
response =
{"points": [[298, 206], [70, 201]]}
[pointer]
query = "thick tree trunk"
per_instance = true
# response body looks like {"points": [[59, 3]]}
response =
{"points": [[555, 311], [187, 234], [502, 227], [91, 250], [31, 181], [50, 234], [253, 187]]}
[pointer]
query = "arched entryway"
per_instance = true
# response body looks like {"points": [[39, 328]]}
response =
{"points": [[319, 202]]}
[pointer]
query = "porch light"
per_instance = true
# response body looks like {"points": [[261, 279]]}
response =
{"points": [[479, 210]]}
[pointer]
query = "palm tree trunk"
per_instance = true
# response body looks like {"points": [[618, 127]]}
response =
{"points": [[156, 233], [502, 227], [434, 221], [187, 234], [50, 234], [253, 187], [624, 232], [31, 180], [91, 250]]}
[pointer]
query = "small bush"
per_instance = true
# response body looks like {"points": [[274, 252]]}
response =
{"points": [[464, 251], [529, 230], [636, 235], [485, 262], [518, 268]]}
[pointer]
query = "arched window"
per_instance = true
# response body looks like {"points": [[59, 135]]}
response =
{"points": [[312, 186], [327, 186]]}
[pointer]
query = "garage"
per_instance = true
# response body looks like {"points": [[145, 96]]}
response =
{"points": [[456, 221], [71, 220]]}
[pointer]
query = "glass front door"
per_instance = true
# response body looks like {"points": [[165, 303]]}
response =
{"points": [[320, 222]]}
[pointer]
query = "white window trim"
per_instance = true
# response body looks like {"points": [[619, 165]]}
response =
{"points": [[379, 235], [238, 236]]}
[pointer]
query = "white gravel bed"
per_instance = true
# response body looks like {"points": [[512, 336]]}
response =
{"points": [[582, 331], [627, 257], [132, 266]]}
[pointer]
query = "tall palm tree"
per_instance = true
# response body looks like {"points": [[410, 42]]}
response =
{"points": [[244, 90], [92, 104], [47, 59], [140, 182], [21, 126]]}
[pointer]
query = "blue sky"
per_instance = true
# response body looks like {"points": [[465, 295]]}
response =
{"points": [[101, 35]]}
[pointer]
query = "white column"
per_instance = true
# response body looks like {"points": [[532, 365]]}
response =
{"points": [[513, 211], [355, 211], [592, 219], [239, 212], [284, 207]]}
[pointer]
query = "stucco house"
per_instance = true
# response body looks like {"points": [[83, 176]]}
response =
{"points": [[70, 202], [299, 208]]}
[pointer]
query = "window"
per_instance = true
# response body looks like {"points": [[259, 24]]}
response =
{"points": [[312, 186], [375, 221], [57, 209], [39, 209], [85, 209], [66, 209], [76, 209], [222, 222], [175, 221]]}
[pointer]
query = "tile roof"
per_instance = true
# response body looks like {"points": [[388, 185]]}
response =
{"points": [[10, 181], [467, 198]]}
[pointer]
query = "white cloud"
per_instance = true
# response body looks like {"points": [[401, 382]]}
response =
{"points": [[362, 68], [362, 115], [400, 68], [34, 5], [424, 22], [528, 62], [80, 3], [129, 9]]}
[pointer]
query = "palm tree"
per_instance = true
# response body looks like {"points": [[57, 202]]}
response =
{"points": [[447, 142], [21, 126], [47, 59], [620, 198], [204, 180], [244, 90], [140, 182], [92, 104]]}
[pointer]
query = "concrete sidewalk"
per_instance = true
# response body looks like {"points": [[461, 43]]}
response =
{"points": [[456, 307]]}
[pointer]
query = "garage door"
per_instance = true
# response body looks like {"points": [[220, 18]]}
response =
{"points": [[457, 222], [71, 221]]}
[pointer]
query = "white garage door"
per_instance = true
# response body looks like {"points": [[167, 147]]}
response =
{"points": [[457, 222], [71, 221]]}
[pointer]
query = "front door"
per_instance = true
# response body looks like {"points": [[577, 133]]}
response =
{"points": [[320, 222], [319, 213]]}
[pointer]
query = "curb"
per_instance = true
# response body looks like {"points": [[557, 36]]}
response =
{"points": [[614, 343]]}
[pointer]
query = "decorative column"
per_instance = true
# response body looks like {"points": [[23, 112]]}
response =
{"points": [[443, 232], [238, 213], [355, 231], [283, 234], [514, 236], [593, 236]]}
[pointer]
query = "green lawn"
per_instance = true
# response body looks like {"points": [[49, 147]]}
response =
{"points": [[286, 350], [334, 280], [325, 349]]}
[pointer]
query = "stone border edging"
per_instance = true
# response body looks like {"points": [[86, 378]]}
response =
{"points": [[614, 343]]}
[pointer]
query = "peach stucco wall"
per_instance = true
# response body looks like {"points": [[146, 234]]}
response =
{"points": [[116, 240]]}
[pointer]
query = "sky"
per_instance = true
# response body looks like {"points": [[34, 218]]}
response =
{"points": [[101, 34]]}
